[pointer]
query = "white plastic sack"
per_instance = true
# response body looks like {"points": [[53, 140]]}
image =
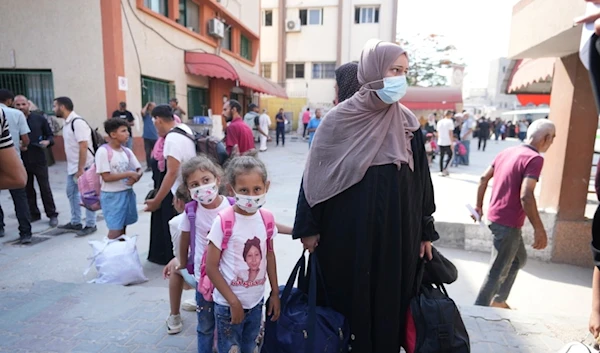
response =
{"points": [[117, 261], [577, 347]]}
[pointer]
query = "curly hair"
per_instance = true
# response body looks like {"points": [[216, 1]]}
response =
{"points": [[249, 244]]}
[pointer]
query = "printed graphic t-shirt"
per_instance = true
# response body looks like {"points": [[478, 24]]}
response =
{"points": [[204, 221], [120, 162], [244, 262]]}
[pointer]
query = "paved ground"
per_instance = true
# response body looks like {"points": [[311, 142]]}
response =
{"points": [[47, 306]]}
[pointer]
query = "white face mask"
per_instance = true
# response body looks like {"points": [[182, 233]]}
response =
{"points": [[250, 204], [205, 194]]}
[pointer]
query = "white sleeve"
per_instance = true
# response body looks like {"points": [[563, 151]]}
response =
{"points": [[102, 164], [171, 148], [215, 235], [82, 130], [184, 226]]}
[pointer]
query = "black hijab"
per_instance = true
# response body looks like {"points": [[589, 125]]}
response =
{"points": [[347, 81]]}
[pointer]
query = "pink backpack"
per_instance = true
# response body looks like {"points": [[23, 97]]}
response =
{"points": [[89, 183], [205, 286], [462, 150], [190, 212]]}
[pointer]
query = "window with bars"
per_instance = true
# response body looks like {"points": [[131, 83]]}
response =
{"points": [[268, 18], [226, 41], [158, 6], [294, 70], [189, 15], [36, 85], [366, 14], [157, 91], [197, 101], [245, 48], [323, 70], [265, 70]]}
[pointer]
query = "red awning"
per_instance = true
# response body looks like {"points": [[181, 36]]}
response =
{"points": [[432, 98], [535, 99], [211, 65], [530, 71]]}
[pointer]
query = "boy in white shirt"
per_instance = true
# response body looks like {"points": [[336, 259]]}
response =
{"points": [[119, 170]]}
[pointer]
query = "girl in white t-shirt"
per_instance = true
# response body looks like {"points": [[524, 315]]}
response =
{"points": [[239, 272], [202, 177]]}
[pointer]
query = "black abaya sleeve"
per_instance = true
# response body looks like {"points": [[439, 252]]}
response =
{"points": [[307, 222], [428, 228]]}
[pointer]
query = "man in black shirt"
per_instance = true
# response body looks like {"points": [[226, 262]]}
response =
{"points": [[123, 113], [34, 159], [484, 132]]}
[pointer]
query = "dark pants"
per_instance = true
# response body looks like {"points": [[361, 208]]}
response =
{"points": [[280, 130], [19, 197], [482, 141], [445, 150], [39, 171], [148, 146], [508, 257], [304, 132], [595, 68], [522, 136]]}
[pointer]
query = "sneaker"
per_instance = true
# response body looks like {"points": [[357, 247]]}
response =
{"points": [[174, 324], [446, 173], [189, 305], [53, 222], [25, 240], [86, 231], [71, 226]]}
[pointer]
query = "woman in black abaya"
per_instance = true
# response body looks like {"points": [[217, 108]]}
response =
{"points": [[366, 200]]}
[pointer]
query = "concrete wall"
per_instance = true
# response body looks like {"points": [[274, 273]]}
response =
{"points": [[64, 36], [555, 37]]}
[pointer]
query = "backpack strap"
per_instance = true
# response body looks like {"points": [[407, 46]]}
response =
{"points": [[231, 200], [91, 133], [181, 131], [269, 222], [190, 212], [227, 220]]}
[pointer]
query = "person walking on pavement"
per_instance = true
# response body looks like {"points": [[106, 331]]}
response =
{"points": [[516, 172], [313, 124], [34, 158], [445, 134], [19, 130], [280, 129], [484, 133], [149, 135], [238, 133], [264, 121], [523, 124], [305, 120], [251, 119], [466, 135], [77, 136], [125, 114]]}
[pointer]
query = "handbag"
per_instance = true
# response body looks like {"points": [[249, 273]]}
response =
{"points": [[303, 326], [433, 322]]}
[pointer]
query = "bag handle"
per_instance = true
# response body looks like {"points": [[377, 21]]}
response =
{"points": [[420, 273], [300, 267], [315, 275]]}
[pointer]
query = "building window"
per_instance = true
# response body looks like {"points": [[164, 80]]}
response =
{"points": [[197, 101], [265, 70], [157, 91], [158, 6], [189, 15], [366, 15], [268, 18], [245, 48], [294, 70], [323, 70], [36, 85], [226, 41], [311, 17]]}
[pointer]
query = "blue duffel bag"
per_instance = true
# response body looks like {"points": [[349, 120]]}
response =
{"points": [[304, 327]]}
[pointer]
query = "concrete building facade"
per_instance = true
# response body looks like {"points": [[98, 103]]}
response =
{"points": [[303, 41], [102, 52]]}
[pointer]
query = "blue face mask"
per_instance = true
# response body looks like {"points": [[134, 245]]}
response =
{"points": [[394, 88]]}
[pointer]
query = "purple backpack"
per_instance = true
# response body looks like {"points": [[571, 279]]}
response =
{"points": [[190, 212]]}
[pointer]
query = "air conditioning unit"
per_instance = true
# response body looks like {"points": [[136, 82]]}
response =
{"points": [[216, 28], [292, 25]]}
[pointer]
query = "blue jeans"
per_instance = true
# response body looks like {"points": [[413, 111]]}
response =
{"points": [[508, 257], [206, 324], [244, 335], [74, 199], [465, 158]]}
